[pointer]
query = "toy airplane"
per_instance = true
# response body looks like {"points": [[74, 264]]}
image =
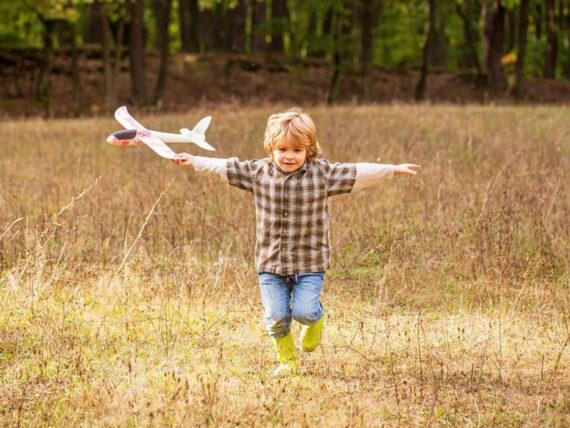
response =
{"points": [[135, 135]]}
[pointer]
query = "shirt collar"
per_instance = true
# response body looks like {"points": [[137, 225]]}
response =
{"points": [[303, 169]]}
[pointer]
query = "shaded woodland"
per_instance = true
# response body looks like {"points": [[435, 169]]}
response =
{"points": [[500, 44]]}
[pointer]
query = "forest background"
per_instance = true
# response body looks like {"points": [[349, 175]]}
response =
{"points": [[70, 57]]}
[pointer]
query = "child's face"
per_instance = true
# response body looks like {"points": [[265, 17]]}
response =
{"points": [[290, 155]]}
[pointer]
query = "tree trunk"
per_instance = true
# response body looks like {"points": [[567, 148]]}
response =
{"points": [[562, 18], [520, 84], [368, 19], [470, 36], [429, 35], [110, 98], [119, 45], [551, 41], [211, 28], [189, 14], [438, 47], [257, 22], [43, 81], [235, 38], [564, 26], [538, 22], [312, 36], [341, 31], [138, 90], [279, 24], [328, 29], [334, 91], [92, 28], [221, 26], [162, 10], [112, 51], [316, 46], [75, 74], [207, 42], [511, 20], [494, 18]]}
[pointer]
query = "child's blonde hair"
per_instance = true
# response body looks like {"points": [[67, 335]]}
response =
{"points": [[294, 124]]}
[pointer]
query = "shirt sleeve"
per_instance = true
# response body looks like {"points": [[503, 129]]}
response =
{"points": [[241, 174], [368, 174], [211, 166], [340, 177]]}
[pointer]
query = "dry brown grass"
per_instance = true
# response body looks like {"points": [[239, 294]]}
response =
{"points": [[448, 297]]}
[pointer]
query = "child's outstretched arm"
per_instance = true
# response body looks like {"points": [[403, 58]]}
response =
{"points": [[203, 165], [232, 171], [368, 174]]}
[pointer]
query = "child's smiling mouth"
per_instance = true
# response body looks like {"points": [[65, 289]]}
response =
{"points": [[289, 164]]}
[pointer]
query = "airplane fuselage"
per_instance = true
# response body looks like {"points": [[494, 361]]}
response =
{"points": [[176, 138], [129, 137]]}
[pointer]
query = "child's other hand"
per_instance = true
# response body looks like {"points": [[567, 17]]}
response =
{"points": [[183, 159], [406, 169]]}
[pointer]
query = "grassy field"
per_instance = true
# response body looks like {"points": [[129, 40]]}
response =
{"points": [[128, 294]]}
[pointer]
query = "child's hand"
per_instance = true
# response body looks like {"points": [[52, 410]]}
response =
{"points": [[406, 169], [183, 159]]}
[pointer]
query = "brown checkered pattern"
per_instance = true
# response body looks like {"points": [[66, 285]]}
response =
{"points": [[291, 211]]}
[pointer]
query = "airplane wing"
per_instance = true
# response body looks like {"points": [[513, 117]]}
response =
{"points": [[125, 119], [156, 144]]}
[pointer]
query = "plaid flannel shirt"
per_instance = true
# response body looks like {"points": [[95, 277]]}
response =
{"points": [[291, 211]]}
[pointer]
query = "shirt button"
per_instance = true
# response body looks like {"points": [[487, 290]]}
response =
{"points": [[285, 213]]}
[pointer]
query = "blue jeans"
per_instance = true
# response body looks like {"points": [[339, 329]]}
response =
{"points": [[287, 297]]}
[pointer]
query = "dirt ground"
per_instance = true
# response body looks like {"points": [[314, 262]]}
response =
{"points": [[223, 78]]}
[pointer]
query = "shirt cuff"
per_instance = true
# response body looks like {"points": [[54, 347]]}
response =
{"points": [[368, 174], [211, 166]]}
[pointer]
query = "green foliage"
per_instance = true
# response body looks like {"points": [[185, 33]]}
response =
{"points": [[448, 18], [535, 57], [399, 36], [19, 26], [115, 10], [55, 10], [20, 20], [311, 27], [174, 28]]}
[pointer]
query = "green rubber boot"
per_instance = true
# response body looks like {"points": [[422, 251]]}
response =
{"points": [[312, 335], [287, 355]]}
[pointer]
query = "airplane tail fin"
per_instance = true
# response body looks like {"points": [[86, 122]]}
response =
{"points": [[199, 132], [199, 129], [202, 126]]}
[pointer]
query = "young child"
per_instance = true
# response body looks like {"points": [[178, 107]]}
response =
{"points": [[290, 189]]}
